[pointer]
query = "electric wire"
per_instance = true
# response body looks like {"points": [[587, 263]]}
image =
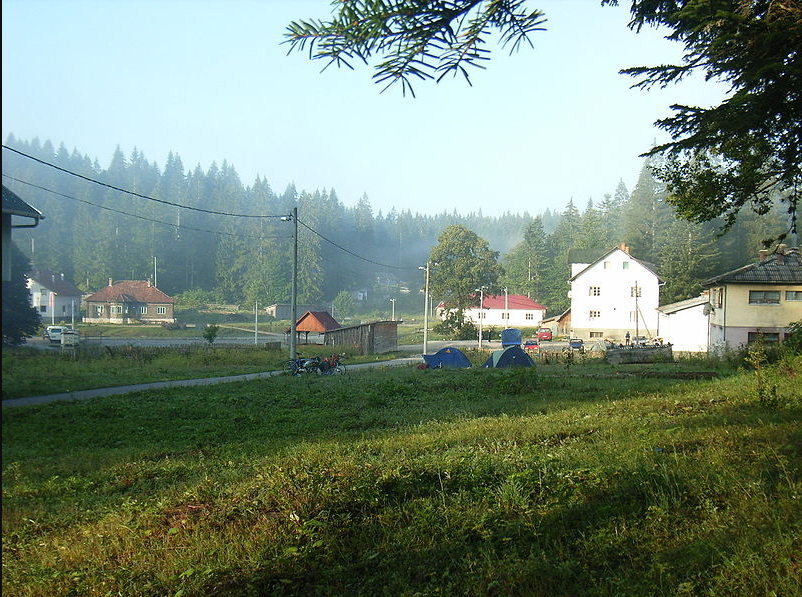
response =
{"points": [[135, 194], [180, 226]]}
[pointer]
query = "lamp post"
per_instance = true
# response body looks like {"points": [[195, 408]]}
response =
{"points": [[294, 301], [506, 307], [426, 310], [393, 303], [481, 292]]}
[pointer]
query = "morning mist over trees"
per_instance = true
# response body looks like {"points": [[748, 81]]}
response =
{"points": [[92, 233]]}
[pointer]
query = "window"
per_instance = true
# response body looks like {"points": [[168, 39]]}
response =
{"points": [[764, 297], [161, 310], [719, 297], [503, 315], [632, 315], [143, 309], [595, 314], [597, 334], [793, 295], [768, 337], [482, 315], [530, 316], [607, 265], [118, 309], [99, 310], [635, 289], [594, 291], [625, 265], [43, 308]]}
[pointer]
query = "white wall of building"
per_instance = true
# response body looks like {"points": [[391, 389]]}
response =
{"points": [[686, 330], [62, 307], [603, 302], [518, 318]]}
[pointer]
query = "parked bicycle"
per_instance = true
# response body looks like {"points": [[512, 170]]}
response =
{"points": [[315, 365], [302, 365]]}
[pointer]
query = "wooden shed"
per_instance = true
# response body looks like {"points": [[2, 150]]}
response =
{"points": [[367, 338], [315, 321]]}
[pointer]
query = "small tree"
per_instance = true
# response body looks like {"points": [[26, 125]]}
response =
{"points": [[343, 304], [210, 333]]}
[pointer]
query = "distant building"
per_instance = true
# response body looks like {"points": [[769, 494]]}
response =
{"points": [[284, 310], [129, 301], [54, 297], [508, 311], [684, 324]]}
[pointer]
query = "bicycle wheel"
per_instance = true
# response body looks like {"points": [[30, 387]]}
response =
{"points": [[338, 370], [291, 367]]}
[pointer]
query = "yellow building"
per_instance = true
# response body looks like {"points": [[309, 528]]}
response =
{"points": [[761, 298]]}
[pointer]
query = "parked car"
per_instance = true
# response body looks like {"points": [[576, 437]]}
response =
{"points": [[576, 343], [53, 333], [640, 341], [544, 334], [531, 346]]}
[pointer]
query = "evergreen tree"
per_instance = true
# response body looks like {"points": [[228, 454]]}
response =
{"points": [[20, 320]]}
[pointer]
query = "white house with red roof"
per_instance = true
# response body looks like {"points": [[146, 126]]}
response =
{"points": [[130, 301], [508, 311]]}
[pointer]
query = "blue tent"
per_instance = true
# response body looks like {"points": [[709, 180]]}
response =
{"points": [[447, 357], [512, 356], [511, 337]]}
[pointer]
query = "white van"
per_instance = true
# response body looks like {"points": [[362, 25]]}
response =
{"points": [[53, 333]]}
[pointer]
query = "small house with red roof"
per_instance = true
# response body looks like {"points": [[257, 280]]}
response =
{"points": [[130, 301], [508, 311]]}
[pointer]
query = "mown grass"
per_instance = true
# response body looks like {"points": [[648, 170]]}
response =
{"points": [[409, 482], [35, 372]]}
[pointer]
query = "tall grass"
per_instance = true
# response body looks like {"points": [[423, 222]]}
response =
{"points": [[478, 482]]}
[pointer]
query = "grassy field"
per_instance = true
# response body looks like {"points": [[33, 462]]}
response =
{"points": [[557, 481], [35, 372]]}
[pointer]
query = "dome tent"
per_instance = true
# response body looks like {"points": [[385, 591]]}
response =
{"points": [[447, 357], [512, 356]]}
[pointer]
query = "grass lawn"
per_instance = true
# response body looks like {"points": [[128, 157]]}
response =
{"points": [[413, 482]]}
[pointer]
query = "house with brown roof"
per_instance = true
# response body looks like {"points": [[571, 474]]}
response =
{"points": [[130, 301], [53, 296], [758, 299]]}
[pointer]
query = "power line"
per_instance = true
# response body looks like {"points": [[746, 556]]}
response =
{"points": [[125, 213], [351, 252], [135, 194]]}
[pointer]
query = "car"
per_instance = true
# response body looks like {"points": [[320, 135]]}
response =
{"points": [[576, 343], [640, 341], [544, 334], [531, 346], [53, 333]]}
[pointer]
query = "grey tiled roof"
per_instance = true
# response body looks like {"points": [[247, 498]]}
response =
{"points": [[14, 205], [768, 271]]}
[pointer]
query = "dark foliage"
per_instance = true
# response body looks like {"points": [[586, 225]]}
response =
{"points": [[20, 320]]}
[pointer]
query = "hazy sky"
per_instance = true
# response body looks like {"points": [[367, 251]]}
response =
{"points": [[211, 81]]}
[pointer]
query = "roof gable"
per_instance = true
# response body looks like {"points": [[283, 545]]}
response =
{"points": [[55, 282], [14, 205], [650, 267], [130, 291], [316, 321]]}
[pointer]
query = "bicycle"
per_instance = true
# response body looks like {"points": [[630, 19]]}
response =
{"points": [[302, 365], [331, 365]]}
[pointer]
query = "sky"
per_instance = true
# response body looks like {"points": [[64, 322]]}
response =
{"points": [[212, 81]]}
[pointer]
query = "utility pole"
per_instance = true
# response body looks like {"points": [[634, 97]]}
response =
{"points": [[506, 307], [255, 321], [154, 272], [294, 301], [426, 310], [481, 313], [393, 316]]}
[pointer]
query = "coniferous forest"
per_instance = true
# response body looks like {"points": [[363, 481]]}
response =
{"points": [[93, 232]]}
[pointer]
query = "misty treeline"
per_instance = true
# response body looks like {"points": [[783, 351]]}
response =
{"points": [[202, 257]]}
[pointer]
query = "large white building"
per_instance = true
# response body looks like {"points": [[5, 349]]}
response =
{"points": [[55, 298], [613, 295]]}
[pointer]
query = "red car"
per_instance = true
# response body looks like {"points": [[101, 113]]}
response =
{"points": [[544, 334], [531, 346]]}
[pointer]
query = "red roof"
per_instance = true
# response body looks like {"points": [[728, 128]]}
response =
{"points": [[514, 301], [130, 291], [316, 321]]}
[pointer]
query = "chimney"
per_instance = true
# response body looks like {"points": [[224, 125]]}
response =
{"points": [[781, 254], [624, 248], [110, 282], [763, 253], [148, 282]]}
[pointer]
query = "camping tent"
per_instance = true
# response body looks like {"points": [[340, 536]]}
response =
{"points": [[512, 356], [447, 357], [511, 337]]}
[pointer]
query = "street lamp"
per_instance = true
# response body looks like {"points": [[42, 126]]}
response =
{"points": [[393, 302], [481, 292], [506, 308]]}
